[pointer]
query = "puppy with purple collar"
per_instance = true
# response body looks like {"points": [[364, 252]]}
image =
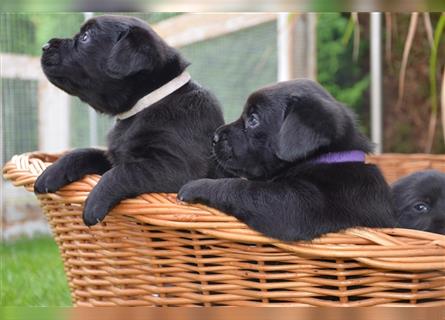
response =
{"points": [[300, 163]]}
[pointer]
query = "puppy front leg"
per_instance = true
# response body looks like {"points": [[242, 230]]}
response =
{"points": [[211, 192], [270, 208], [246, 200], [72, 167], [128, 180]]}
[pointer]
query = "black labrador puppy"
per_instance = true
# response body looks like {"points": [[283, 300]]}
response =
{"points": [[300, 161], [163, 134], [419, 201]]}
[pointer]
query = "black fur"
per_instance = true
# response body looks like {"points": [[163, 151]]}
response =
{"points": [[281, 193], [120, 60], [419, 201]]}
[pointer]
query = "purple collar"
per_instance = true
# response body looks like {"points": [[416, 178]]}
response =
{"points": [[340, 157]]}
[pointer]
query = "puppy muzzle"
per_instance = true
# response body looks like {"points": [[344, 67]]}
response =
{"points": [[52, 52]]}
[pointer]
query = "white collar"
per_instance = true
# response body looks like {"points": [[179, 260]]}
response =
{"points": [[156, 95]]}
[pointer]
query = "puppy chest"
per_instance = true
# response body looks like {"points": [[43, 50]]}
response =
{"points": [[131, 145], [120, 144], [125, 149]]}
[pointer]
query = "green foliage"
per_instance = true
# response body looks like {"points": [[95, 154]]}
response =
{"points": [[32, 274], [337, 72], [402, 142]]}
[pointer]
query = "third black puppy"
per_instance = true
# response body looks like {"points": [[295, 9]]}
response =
{"points": [[165, 121], [419, 201], [300, 159]]}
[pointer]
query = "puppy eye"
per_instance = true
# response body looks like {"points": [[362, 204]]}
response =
{"points": [[84, 37], [422, 207], [252, 121]]}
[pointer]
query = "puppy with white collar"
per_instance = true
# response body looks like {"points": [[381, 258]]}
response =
{"points": [[165, 121]]}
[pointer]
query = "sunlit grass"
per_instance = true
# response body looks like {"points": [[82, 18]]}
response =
{"points": [[32, 274]]}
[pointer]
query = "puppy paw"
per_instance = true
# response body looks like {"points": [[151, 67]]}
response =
{"points": [[52, 179], [94, 210], [195, 191]]}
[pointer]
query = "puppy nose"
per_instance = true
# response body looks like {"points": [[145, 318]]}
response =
{"points": [[215, 138], [46, 46]]}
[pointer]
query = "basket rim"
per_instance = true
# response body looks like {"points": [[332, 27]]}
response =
{"points": [[380, 248]]}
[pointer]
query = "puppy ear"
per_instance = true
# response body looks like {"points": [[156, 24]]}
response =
{"points": [[137, 49], [305, 129]]}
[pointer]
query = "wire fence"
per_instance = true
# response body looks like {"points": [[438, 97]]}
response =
{"points": [[236, 64], [20, 116]]}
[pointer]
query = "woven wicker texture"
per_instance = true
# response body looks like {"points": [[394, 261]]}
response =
{"points": [[152, 250]]}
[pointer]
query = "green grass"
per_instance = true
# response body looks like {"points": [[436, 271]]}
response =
{"points": [[32, 274]]}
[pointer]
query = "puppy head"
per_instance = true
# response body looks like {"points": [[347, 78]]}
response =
{"points": [[111, 63], [285, 123], [419, 201]]}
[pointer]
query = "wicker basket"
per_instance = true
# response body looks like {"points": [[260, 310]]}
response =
{"points": [[154, 251]]}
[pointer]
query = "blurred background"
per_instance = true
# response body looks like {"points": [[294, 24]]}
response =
{"points": [[387, 67]]}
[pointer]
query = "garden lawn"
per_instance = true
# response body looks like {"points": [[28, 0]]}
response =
{"points": [[32, 274]]}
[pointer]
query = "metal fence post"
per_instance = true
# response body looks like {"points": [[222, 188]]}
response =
{"points": [[54, 125], [296, 44], [376, 81]]}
